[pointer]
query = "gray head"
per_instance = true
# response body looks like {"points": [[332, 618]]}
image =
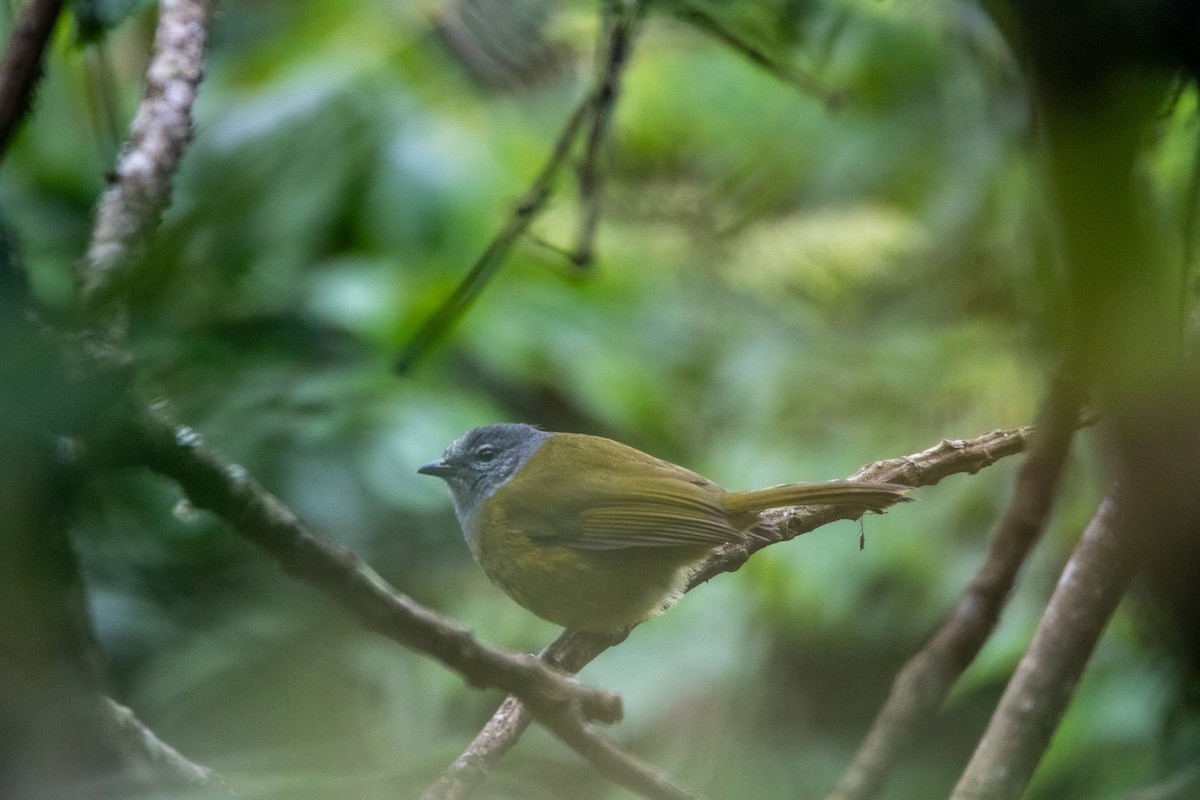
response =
{"points": [[482, 460]]}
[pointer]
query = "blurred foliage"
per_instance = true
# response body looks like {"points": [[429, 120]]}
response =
{"points": [[781, 293]]}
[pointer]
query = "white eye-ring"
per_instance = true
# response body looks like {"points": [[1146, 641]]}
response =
{"points": [[485, 453]]}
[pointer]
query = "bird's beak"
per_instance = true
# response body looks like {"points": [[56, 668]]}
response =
{"points": [[439, 468]]}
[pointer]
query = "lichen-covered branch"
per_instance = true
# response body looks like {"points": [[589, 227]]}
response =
{"points": [[140, 185]]}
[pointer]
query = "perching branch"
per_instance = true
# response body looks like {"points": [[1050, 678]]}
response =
{"points": [[140, 186], [927, 468], [1087, 594], [922, 685], [573, 650], [22, 65]]}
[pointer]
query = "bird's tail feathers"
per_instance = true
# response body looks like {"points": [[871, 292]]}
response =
{"points": [[873, 496]]}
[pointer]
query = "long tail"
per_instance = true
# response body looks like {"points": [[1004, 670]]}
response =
{"points": [[875, 496]]}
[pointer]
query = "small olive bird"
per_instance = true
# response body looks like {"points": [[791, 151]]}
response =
{"points": [[594, 535]]}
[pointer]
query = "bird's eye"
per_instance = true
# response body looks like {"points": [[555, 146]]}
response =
{"points": [[485, 453]]}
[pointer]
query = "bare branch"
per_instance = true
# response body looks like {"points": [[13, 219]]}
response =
{"points": [[22, 64], [922, 685], [140, 187], [572, 650], [1087, 594]]}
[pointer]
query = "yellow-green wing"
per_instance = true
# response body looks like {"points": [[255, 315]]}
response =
{"points": [[608, 496]]}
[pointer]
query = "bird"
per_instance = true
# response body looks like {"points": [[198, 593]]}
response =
{"points": [[597, 536]]}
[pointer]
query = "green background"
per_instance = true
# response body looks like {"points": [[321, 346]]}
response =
{"points": [[781, 292]]}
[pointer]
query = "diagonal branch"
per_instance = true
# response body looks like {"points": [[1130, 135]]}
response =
{"points": [[1036, 697], [573, 650], [140, 184], [22, 64], [173, 768], [923, 684]]}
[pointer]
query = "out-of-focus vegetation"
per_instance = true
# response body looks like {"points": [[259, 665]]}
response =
{"points": [[781, 292]]}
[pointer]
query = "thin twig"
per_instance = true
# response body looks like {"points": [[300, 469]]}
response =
{"points": [[573, 650], [1040, 690], [22, 65], [140, 187], [617, 37], [231, 493], [922, 685], [596, 108], [705, 20], [497, 250]]}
